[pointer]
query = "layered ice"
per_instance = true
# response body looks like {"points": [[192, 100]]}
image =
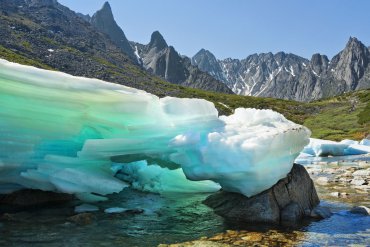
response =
{"points": [[318, 147], [78, 135]]}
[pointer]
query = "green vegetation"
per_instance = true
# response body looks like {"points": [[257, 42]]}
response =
{"points": [[26, 45], [18, 58], [342, 117]]}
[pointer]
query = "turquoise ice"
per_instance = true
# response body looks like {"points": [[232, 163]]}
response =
{"points": [[72, 134]]}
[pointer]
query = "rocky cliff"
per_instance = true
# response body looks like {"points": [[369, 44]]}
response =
{"points": [[103, 21], [164, 61]]}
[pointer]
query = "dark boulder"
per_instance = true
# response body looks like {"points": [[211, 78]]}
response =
{"points": [[287, 202]]}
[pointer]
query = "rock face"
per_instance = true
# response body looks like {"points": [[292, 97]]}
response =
{"points": [[103, 21], [289, 76], [164, 61], [287, 202]]}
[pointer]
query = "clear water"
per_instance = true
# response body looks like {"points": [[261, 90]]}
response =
{"points": [[172, 219]]}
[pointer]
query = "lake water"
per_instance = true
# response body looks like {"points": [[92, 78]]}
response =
{"points": [[174, 218]]}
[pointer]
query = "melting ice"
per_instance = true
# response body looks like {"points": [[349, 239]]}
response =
{"points": [[78, 135]]}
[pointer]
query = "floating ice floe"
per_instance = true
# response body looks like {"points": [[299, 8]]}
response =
{"points": [[67, 134], [318, 147]]}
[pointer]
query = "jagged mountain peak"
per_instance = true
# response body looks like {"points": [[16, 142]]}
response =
{"points": [[157, 41], [350, 64], [204, 52], [103, 20], [106, 6], [105, 12], [353, 41], [354, 44], [207, 62]]}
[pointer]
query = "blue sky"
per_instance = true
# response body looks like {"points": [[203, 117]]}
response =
{"points": [[238, 28]]}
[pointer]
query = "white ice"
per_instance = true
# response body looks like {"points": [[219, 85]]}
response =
{"points": [[318, 147]]}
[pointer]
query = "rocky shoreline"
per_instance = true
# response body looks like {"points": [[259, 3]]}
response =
{"points": [[347, 182]]}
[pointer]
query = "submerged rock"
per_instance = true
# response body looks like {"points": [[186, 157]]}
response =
{"points": [[82, 219], [361, 210], [31, 198], [287, 202], [320, 213]]}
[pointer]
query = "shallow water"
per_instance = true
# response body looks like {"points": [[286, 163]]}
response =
{"points": [[172, 219]]}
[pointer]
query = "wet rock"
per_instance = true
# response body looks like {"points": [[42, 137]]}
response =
{"points": [[24, 199], [82, 219], [290, 214], [287, 202], [320, 213], [360, 210]]}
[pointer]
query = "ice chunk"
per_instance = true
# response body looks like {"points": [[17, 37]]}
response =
{"points": [[250, 153], [318, 147], [63, 133]]}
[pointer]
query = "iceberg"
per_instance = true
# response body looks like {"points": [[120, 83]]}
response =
{"points": [[78, 135], [318, 147]]}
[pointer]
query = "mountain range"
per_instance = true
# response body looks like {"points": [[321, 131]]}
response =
{"points": [[52, 36], [280, 75], [288, 76], [156, 57]]}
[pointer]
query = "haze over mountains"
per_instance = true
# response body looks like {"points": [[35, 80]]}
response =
{"points": [[101, 49]]}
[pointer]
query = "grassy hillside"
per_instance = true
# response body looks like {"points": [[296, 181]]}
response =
{"points": [[342, 117]]}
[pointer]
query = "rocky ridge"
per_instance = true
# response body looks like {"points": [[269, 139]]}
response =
{"points": [[288, 76], [163, 60]]}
